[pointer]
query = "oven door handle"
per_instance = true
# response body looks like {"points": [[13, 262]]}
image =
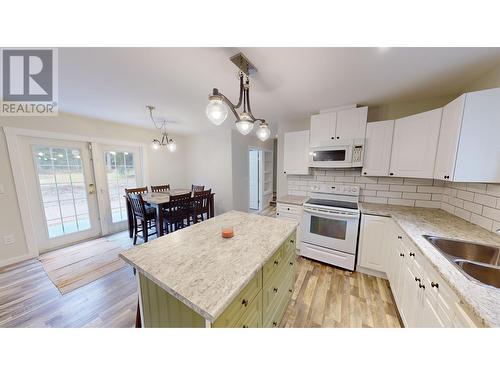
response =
{"points": [[331, 214]]}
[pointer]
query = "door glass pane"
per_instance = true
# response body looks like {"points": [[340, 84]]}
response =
{"points": [[332, 228], [121, 174], [331, 155], [62, 186]]}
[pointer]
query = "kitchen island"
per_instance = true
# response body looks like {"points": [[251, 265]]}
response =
{"points": [[195, 278]]}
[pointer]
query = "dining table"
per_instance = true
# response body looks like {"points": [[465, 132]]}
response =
{"points": [[160, 201]]}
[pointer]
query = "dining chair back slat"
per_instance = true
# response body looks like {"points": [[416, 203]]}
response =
{"points": [[139, 190], [201, 201], [160, 188], [197, 187]]}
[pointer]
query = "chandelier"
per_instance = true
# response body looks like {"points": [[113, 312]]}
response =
{"points": [[245, 120], [164, 141]]}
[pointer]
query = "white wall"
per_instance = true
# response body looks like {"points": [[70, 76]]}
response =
{"points": [[240, 166], [162, 166], [208, 163]]}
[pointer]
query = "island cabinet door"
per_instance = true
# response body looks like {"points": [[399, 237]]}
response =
{"points": [[241, 304], [253, 317]]}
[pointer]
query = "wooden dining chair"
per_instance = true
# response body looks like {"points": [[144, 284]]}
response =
{"points": [[139, 190], [177, 213], [197, 188], [144, 218], [200, 205], [160, 188]]}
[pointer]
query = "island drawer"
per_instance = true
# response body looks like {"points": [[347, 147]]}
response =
{"points": [[252, 318], [277, 261], [241, 304]]}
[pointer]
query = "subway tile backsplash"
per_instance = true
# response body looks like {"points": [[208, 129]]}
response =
{"points": [[475, 202]]}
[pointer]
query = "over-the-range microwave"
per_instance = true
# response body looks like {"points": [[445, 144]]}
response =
{"points": [[347, 155]]}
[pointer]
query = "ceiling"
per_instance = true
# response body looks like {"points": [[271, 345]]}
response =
{"points": [[116, 84]]}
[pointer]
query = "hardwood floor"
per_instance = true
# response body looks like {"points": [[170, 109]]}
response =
{"points": [[324, 296]]}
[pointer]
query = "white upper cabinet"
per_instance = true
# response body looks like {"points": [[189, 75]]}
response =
{"points": [[378, 145], [323, 129], [448, 139], [331, 128], [414, 145], [351, 123], [469, 147], [296, 152]]}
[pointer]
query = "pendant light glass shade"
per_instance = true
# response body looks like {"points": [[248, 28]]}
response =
{"points": [[216, 111], [245, 124], [263, 132], [171, 146], [155, 145]]}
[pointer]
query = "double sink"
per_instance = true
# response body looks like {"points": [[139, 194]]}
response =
{"points": [[478, 262]]}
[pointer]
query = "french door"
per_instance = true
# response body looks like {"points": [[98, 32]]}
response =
{"points": [[61, 191], [119, 167]]}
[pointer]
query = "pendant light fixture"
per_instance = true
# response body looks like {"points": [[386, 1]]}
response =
{"points": [[217, 107], [164, 141]]}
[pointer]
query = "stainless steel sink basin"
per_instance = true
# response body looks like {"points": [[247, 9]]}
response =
{"points": [[485, 274], [477, 261]]}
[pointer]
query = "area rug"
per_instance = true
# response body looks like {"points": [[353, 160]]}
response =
{"points": [[74, 266]]}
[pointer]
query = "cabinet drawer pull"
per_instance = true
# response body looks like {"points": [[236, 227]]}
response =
{"points": [[276, 262], [391, 174], [421, 286], [275, 290], [290, 290], [288, 208], [400, 237], [245, 326], [291, 263], [292, 241], [434, 285], [364, 172], [275, 324], [412, 255], [417, 279], [401, 255], [244, 302]]}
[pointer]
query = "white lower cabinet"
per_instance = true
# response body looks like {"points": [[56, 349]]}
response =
{"points": [[422, 297], [291, 212]]}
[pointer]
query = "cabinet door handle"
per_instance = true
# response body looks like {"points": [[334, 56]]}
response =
{"points": [[338, 137], [421, 286], [332, 137], [417, 279], [277, 213], [400, 237], [244, 302], [412, 255], [276, 262], [391, 174], [292, 241], [291, 263], [401, 255], [275, 324], [284, 171], [245, 326], [434, 285], [275, 290], [290, 290], [288, 208]]}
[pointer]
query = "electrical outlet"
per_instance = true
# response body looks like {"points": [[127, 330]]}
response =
{"points": [[2, 190], [9, 239]]}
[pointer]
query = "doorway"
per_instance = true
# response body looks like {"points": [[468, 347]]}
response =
{"points": [[254, 178]]}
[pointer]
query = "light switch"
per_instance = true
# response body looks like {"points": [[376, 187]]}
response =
{"points": [[2, 190], [9, 239]]}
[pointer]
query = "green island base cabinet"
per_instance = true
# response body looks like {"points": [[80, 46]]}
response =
{"points": [[422, 297], [261, 303]]}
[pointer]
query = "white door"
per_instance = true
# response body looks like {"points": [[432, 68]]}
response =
{"points": [[351, 123], [296, 152], [378, 145], [254, 177], [414, 145], [61, 191], [118, 168], [322, 129], [449, 135]]}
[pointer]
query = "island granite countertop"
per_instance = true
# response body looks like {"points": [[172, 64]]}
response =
{"points": [[483, 301], [205, 271]]}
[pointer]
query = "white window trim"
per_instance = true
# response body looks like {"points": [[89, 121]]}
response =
{"points": [[12, 135]]}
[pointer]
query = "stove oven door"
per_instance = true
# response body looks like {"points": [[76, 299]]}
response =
{"points": [[330, 229]]}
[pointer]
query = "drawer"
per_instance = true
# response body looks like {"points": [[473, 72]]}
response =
{"points": [[281, 283], [252, 318], [289, 208], [273, 265], [241, 303], [288, 216]]}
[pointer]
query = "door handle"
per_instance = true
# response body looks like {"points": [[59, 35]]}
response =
{"points": [[91, 188]]}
